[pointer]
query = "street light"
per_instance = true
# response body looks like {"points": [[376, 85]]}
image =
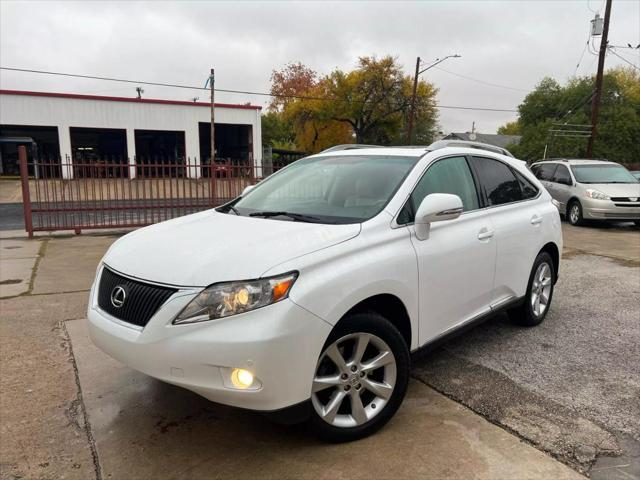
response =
{"points": [[415, 89]]}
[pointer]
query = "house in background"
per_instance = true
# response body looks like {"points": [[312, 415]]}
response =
{"points": [[502, 141]]}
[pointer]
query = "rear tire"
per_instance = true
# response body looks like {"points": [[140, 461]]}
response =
{"points": [[539, 293], [360, 380], [574, 213]]}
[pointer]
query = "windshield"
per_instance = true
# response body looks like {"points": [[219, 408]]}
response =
{"points": [[602, 174], [339, 189]]}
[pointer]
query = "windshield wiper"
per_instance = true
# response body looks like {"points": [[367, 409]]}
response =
{"points": [[295, 216], [234, 210]]}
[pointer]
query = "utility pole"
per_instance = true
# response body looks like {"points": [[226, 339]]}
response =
{"points": [[595, 103], [213, 118], [412, 112], [413, 102]]}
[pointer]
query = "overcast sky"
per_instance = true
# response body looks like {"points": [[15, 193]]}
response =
{"points": [[510, 43]]}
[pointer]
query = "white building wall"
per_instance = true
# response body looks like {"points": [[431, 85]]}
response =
{"points": [[65, 112]]}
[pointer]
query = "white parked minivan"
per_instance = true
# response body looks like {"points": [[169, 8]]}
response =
{"points": [[305, 296]]}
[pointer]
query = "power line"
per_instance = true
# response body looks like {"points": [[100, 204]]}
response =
{"points": [[580, 104], [244, 92], [592, 10], [483, 82], [623, 59], [628, 46], [581, 57]]}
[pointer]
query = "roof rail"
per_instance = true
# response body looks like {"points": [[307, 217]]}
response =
{"points": [[466, 143], [348, 146], [568, 159]]}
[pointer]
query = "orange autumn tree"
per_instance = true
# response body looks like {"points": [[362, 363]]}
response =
{"points": [[290, 88]]}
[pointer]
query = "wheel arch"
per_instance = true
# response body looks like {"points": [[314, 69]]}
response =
{"points": [[552, 249], [572, 199], [390, 307]]}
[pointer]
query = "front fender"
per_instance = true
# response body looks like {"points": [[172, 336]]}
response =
{"points": [[379, 261]]}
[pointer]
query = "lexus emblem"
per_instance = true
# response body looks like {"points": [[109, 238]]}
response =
{"points": [[118, 296]]}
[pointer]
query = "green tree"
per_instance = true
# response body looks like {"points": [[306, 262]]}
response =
{"points": [[510, 128], [276, 131], [550, 105], [374, 101]]}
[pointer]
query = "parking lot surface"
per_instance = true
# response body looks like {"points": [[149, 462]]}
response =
{"points": [[566, 390]]}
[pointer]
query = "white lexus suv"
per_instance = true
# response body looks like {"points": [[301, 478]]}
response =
{"points": [[307, 294]]}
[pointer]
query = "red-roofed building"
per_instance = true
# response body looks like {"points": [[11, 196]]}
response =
{"points": [[84, 127]]}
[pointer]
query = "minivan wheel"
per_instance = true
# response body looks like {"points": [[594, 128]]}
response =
{"points": [[539, 293], [575, 213], [360, 379]]}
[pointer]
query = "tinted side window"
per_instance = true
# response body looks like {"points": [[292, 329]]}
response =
{"points": [[546, 171], [562, 175], [498, 181], [535, 169], [529, 190], [449, 175]]}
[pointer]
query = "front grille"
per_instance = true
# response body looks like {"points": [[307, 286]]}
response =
{"points": [[141, 300], [627, 204], [623, 199]]}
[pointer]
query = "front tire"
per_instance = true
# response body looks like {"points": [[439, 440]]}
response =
{"points": [[361, 378], [539, 293], [575, 213]]}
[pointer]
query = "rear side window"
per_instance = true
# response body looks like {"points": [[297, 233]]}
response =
{"points": [[535, 169], [498, 181], [449, 175], [546, 171], [529, 190]]}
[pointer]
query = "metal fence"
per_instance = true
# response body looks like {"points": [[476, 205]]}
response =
{"points": [[110, 193]]}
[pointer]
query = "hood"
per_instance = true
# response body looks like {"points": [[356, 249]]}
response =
{"points": [[208, 247], [616, 189]]}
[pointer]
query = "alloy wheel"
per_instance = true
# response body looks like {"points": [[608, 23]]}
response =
{"points": [[354, 380], [574, 213], [541, 289]]}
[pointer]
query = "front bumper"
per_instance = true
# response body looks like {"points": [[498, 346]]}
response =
{"points": [[280, 344], [609, 210]]}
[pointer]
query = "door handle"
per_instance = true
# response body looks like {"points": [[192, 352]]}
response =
{"points": [[485, 234], [536, 219]]}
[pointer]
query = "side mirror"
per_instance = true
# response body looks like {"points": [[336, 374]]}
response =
{"points": [[247, 189], [436, 207]]}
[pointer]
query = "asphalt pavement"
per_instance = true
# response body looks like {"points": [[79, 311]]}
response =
{"points": [[11, 216], [568, 387], [571, 385]]}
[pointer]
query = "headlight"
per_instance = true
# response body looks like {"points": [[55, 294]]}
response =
{"points": [[596, 194], [230, 298]]}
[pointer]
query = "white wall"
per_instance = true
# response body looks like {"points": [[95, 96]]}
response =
{"points": [[130, 115]]}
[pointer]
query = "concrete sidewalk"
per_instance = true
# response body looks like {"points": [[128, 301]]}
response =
{"points": [[18, 259], [70, 411]]}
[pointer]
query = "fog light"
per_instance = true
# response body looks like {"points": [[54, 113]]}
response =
{"points": [[241, 378]]}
